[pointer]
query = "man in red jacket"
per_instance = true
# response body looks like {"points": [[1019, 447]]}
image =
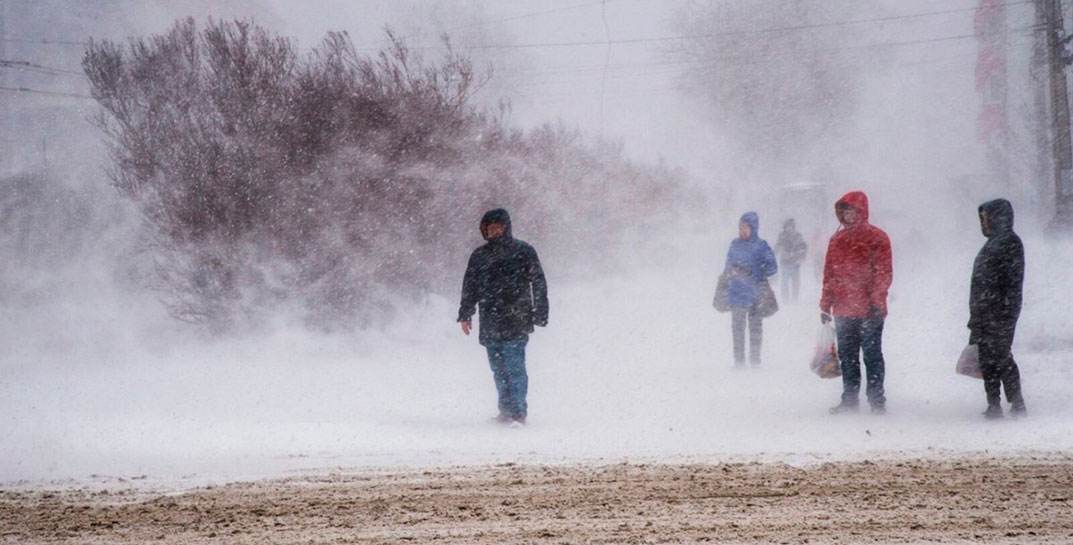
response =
{"points": [[856, 276]]}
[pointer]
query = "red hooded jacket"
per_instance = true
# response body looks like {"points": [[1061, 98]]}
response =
{"points": [[857, 271]]}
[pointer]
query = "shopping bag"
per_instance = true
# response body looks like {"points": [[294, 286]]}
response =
{"points": [[721, 301], [766, 304], [825, 359], [969, 362]]}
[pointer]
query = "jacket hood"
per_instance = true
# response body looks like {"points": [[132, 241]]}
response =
{"points": [[999, 217], [789, 225], [856, 199], [753, 221], [498, 215]]}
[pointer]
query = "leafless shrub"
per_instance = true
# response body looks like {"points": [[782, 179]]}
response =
{"points": [[333, 182]]}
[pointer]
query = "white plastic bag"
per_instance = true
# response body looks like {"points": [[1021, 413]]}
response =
{"points": [[969, 362], [825, 358]]}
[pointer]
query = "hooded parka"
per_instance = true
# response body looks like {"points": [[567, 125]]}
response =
{"points": [[857, 271], [505, 281], [749, 262], [997, 276]]}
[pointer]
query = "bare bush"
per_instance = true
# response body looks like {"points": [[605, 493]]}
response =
{"points": [[333, 182]]}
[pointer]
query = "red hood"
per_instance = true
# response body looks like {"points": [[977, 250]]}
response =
{"points": [[858, 200]]}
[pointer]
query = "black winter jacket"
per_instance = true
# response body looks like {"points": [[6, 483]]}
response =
{"points": [[790, 246], [505, 281], [997, 277]]}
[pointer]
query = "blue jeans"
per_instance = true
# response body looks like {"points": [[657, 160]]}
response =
{"points": [[857, 335], [507, 359]]}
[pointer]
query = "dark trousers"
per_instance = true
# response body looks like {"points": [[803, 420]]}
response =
{"points": [[1000, 370], [856, 336], [790, 281], [507, 359], [738, 317]]}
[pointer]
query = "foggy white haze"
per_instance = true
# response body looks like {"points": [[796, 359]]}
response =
{"points": [[96, 379]]}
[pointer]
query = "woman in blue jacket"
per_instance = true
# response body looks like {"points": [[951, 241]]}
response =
{"points": [[749, 262]]}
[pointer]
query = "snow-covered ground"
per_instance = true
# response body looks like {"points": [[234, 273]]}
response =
{"points": [[634, 366]]}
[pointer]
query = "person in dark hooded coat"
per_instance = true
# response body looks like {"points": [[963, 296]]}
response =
{"points": [[505, 282], [995, 305], [750, 262], [857, 274], [791, 249]]}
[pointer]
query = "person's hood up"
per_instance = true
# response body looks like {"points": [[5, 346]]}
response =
{"points": [[999, 217], [499, 215], [856, 199], [753, 221]]}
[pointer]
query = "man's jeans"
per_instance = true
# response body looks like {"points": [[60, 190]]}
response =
{"points": [[507, 359], [857, 335]]}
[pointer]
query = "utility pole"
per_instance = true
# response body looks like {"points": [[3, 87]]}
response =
{"points": [[5, 120], [1063, 147]]}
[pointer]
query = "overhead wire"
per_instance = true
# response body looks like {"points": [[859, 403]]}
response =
{"points": [[40, 92], [689, 65], [654, 39], [374, 46], [682, 68], [662, 39], [531, 14], [679, 87], [43, 41], [29, 66]]}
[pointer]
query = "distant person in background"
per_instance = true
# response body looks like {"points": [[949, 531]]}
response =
{"points": [[791, 249], [505, 282], [857, 274], [749, 263], [995, 304]]}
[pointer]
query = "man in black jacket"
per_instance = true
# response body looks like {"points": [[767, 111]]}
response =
{"points": [[995, 305], [505, 281]]}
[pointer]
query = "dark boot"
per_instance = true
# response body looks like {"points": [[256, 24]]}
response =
{"points": [[879, 408], [993, 412], [1018, 410]]}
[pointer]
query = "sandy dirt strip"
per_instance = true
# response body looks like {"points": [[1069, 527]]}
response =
{"points": [[965, 500]]}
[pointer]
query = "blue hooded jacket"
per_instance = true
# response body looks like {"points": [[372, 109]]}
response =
{"points": [[749, 262]]}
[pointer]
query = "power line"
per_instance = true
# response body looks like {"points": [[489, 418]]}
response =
{"points": [[372, 46], [38, 68], [663, 39], [39, 92], [44, 41], [27, 69], [678, 88], [628, 41], [682, 67], [529, 15]]}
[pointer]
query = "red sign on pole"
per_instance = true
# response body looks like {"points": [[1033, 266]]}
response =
{"points": [[990, 26]]}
